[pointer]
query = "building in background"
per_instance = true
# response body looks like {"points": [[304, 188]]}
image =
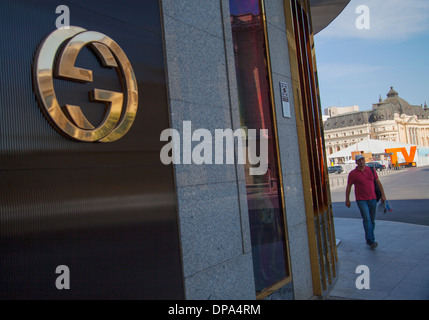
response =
{"points": [[392, 119], [385, 152], [335, 111], [82, 182]]}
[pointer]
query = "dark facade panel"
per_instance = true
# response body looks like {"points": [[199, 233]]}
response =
{"points": [[107, 211]]}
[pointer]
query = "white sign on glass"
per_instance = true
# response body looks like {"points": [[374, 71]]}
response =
{"points": [[284, 92]]}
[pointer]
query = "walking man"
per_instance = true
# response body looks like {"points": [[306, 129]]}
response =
{"points": [[363, 179]]}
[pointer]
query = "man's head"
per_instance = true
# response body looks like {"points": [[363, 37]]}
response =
{"points": [[360, 160]]}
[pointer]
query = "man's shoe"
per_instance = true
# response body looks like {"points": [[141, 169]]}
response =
{"points": [[373, 245]]}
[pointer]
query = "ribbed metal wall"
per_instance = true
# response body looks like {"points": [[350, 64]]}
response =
{"points": [[106, 210]]}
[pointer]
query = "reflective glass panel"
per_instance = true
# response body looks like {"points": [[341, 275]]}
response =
{"points": [[266, 212]]}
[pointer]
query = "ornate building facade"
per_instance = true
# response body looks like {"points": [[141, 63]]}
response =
{"points": [[392, 119]]}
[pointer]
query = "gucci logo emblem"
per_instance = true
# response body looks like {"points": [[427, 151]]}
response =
{"points": [[69, 119]]}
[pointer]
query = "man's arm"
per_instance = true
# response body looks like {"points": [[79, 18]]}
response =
{"points": [[383, 196], [349, 187]]}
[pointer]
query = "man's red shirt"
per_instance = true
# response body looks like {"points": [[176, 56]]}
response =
{"points": [[364, 183]]}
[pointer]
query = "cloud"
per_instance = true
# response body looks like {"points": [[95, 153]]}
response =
{"points": [[393, 20]]}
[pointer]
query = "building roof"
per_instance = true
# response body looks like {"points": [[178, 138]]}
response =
{"points": [[348, 120], [392, 93], [381, 111]]}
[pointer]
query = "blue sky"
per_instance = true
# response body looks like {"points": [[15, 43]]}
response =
{"points": [[356, 66]]}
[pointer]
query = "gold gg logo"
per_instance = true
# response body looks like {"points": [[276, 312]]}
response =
{"points": [[70, 119]]}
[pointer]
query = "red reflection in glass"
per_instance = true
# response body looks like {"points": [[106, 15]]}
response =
{"points": [[266, 218]]}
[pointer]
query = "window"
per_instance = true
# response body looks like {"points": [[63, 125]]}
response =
{"points": [[264, 196]]}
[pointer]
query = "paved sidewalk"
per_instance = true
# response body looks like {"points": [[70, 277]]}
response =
{"points": [[399, 266]]}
